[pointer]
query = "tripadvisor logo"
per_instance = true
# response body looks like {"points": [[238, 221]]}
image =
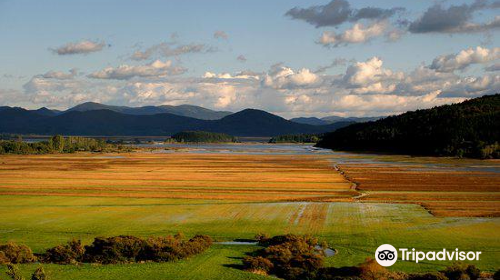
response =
{"points": [[387, 255]]}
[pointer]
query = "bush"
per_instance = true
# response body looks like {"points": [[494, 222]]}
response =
{"points": [[174, 248], [460, 271], [117, 249], [371, 270], [123, 249], [257, 265], [287, 256], [13, 253], [428, 276], [65, 254], [13, 272], [39, 274]]}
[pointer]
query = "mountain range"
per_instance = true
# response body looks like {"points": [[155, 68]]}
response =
{"points": [[191, 111], [97, 119]]}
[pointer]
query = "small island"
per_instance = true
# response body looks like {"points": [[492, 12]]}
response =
{"points": [[296, 138], [203, 137]]}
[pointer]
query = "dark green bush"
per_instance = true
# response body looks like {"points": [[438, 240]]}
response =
{"points": [[65, 254], [172, 248], [39, 274], [13, 253], [459, 271], [290, 256], [123, 249], [257, 264], [115, 249]]}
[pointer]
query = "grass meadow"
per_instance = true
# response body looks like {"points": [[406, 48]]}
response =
{"points": [[47, 200]]}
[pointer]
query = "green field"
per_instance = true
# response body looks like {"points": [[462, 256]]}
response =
{"points": [[354, 229]]}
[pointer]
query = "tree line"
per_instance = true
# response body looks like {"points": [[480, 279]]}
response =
{"points": [[58, 144]]}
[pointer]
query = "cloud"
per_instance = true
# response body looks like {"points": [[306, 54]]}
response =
{"points": [[241, 58], [219, 34], [454, 19], [493, 67], [336, 62], [359, 33], [337, 12], [465, 58], [61, 75], [370, 77], [154, 69], [282, 77], [239, 75], [472, 86], [168, 49], [365, 88], [82, 47]]}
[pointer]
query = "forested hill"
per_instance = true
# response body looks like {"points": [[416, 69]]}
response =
{"points": [[467, 129]]}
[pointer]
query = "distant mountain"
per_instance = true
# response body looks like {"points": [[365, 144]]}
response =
{"points": [[310, 120], [181, 110], [46, 112], [470, 128], [248, 122], [332, 119]]}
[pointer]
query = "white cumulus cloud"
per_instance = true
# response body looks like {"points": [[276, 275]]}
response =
{"points": [[359, 33], [154, 69], [465, 58]]}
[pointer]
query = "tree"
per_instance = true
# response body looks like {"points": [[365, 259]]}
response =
{"points": [[57, 143]]}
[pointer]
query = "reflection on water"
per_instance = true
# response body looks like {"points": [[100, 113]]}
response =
{"points": [[249, 149]]}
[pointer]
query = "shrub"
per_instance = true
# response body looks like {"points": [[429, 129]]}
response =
{"points": [[13, 253], [39, 274], [459, 271], [288, 256], [121, 249], [371, 270], [257, 264], [261, 237], [428, 276], [496, 276], [13, 272], [65, 254], [115, 249]]}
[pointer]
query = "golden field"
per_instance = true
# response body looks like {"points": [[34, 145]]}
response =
{"points": [[175, 175]]}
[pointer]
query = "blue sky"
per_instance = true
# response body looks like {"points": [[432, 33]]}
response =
{"points": [[259, 31]]}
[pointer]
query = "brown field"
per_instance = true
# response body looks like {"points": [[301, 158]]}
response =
{"points": [[442, 191], [255, 178], [176, 175]]}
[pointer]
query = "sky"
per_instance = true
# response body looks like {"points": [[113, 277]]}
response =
{"points": [[289, 57]]}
